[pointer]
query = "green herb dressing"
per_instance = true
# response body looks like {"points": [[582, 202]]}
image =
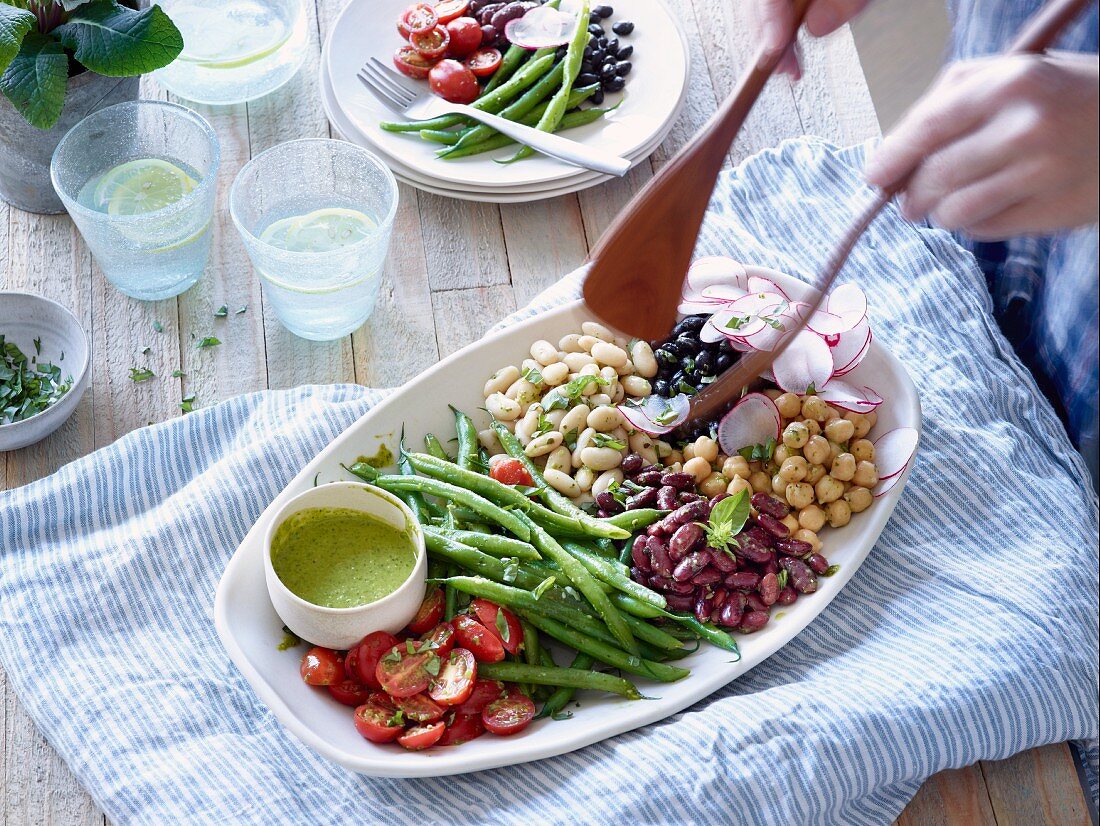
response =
{"points": [[340, 557]]}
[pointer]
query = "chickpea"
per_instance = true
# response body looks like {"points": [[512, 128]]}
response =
{"points": [[575, 361], [503, 408], [813, 476], [501, 380], [843, 467], [791, 521], [738, 484], [546, 443], [674, 458], [863, 450], [585, 479], [706, 448], [859, 499], [809, 537], [605, 480], [770, 468], [675, 467], [782, 453], [789, 405], [794, 469], [593, 328], [642, 444], [779, 484], [860, 427], [839, 431], [828, 489], [609, 354], [488, 439], [834, 451], [713, 485], [814, 408], [645, 363], [839, 513], [605, 418], [799, 495], [796, 435], [560, 459], [761, 481], [688, 450], [872, 419], [637, 386], [866, 475], [812, 426], [816, 450], [811, 517], [698, 467], [587, 342], [561, 482], [735, 466], [830, 413]]}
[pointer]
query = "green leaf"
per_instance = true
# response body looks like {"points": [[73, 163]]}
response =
{"points": [[208, 341], [221, 312], [14, 24], [140, 374], [120, 42], [35, 80], [732, 511], [502, 627]]}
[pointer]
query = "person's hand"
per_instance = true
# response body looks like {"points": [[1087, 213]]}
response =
{"points": [[773, 22], [1007, 145]]}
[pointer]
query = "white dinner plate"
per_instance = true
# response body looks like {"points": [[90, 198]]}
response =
{"points": [[251, 630], [650, 103]]}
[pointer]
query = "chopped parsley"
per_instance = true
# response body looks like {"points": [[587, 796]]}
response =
{"points": [[208, 341], [140, 374], [27, 387]]}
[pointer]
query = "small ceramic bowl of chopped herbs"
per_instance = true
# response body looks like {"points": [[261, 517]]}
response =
{"points": [[45, 366]]}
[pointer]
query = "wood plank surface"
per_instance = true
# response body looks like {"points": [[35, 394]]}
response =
{"points": [[455, 267]]}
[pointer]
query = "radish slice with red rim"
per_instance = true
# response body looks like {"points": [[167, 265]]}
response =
{"points": [[696, 307], [893, 451], [656, 415], [760, 284], [708, 333], [886, 485], [752, 421], [849, 348], [807, 362], [714, 270], [542, 27], [840, 393]]}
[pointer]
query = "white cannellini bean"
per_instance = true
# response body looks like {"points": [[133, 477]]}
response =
{"points": [[664, 449], [642, 444], [606, 353], [523, 392], [645, 363], [637, 386], [503, 408], [583, 441], [529, 364], [619, 434], [556, 373], [617, 394], [571, 343], [541, 445], [501, 380], [575, 361], [544, 352], [561, 482], [585, 478], [592, 328], [604, 480], [560, 459], [609, 374], [576, 419], [488, 440], [626, 370], [605, 418], [526, 427], [601, 458], [555, 418], [599, 399], [586, 342]]}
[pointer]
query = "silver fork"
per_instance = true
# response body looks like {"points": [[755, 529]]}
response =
{"points": [[401, 96]]}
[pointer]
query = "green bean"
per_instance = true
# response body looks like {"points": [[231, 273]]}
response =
{"points": [[417, 503], [554, 500], [435, 447], [483, 507], [519, 109], [467, 458], [474, 560], [605, 547], [465, 515], [715, 636], [580, 117], [560, 698], [447, 136], [629, 605], [450, 596], [635, 520], [503, 547], [531, 647], [574, 55], [611, 572], [514, 57], [643, 631], [540, 675]]}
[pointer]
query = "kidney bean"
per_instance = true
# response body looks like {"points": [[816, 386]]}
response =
{"points": [[714, 500], [659, 583], [632, 463], [732, 610], [602, 514], [485, 16], [638, 575], [770, 567], [772, 525], [682, 588], [659, 556], [818, 564], [755, 602], [787, 596], [689, 498], [753, 551], [720, 595], [707, 576], [510, 12], [642, 499], [690, 565], [639, 556], [667, 498], [723, 561], [679, 481], [693, 512], [655, 530], [761, 536], [801, 577], [793, 547], [745, 580], [686, 539], [679, 603], [608, 502], [769, 505], [753, 621], [703, 606], [769, 589], [649, 477]]}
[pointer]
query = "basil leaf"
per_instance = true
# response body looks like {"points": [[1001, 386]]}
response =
{"points": [[502, 626], [732, 512]]}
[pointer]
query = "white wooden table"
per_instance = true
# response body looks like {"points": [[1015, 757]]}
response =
{"points": [[455, 267]]}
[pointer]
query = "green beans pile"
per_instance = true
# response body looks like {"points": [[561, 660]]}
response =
{"points": [[555, 566]]}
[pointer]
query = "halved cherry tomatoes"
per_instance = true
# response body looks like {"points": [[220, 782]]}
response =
{"points": [[411, 63], [420, 708], [509, 715], [431, 44], [454, 683], [448, 10], [465, 35], [511, 472], [349, 692], [429, 613], [479, 640], [501, 622], [462, 729], [454, 82], [375, 720], [322, 666], [403, 674], [421, 737], [419, 17], [362, 662], [440, 639], [485, 691], [483, 63]]}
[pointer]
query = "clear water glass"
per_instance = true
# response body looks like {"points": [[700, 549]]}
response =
{"points": [[148, 255], [235, 50], [316, 292]]}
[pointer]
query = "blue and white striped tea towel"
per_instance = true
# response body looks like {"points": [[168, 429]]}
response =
{"points": [[970, 632]]}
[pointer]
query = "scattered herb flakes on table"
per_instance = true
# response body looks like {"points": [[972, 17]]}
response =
{"points": [[26, 387]]}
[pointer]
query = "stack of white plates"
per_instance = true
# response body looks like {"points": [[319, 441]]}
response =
{"points": [[655, 93]]}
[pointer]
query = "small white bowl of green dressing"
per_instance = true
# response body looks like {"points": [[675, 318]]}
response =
{"points": [[343, 560]]}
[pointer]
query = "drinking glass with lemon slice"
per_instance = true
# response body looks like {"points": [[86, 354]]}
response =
{"points": [[316, 217], [139, 180]]}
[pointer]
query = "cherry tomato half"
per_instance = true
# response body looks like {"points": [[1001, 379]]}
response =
{"points": [[429, 613], [454, 683], [448, 10], [432, 43], [421, 737], [350, 693], [511, 472], [509, 715], [479, 640], [440, 639], [419, 17], [462, 729], [402, 674], [465, 36], [485, 691], [322, 666], [411, 63], [365, 656], [420, 708], [375, 721], [483, 63], [508, 630]]}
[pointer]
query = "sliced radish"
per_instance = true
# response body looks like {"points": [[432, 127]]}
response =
{"points": [[714, 270], [840, 393], [893, 450], [772, 333], [848, 302], [656, 415], [542, 27], [709, 334], [760, 284], [849, 348], [806, 361], [886, 485], [723, 292], [752, 421], [695, 307]]}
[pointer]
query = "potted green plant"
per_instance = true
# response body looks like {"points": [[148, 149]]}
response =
{"points": [[61, 60]]}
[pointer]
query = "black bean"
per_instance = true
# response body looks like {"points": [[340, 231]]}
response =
{"points": [[560, 53], [597, 97], [676, 380], [660, 387], [607, 72], [601, 44], [612, 45], [690, 340], [687, 364], [604, 12], [596, 30], [623, 68], [625, 52], [723, 363], [665, 354], [704, 363], [623, 27], [593, 17], [587, 54], [586, 79], [598, 57]]}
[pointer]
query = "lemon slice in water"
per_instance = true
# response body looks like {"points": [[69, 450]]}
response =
{"points": [[326, 230], [142, 186], [277, 233]]}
